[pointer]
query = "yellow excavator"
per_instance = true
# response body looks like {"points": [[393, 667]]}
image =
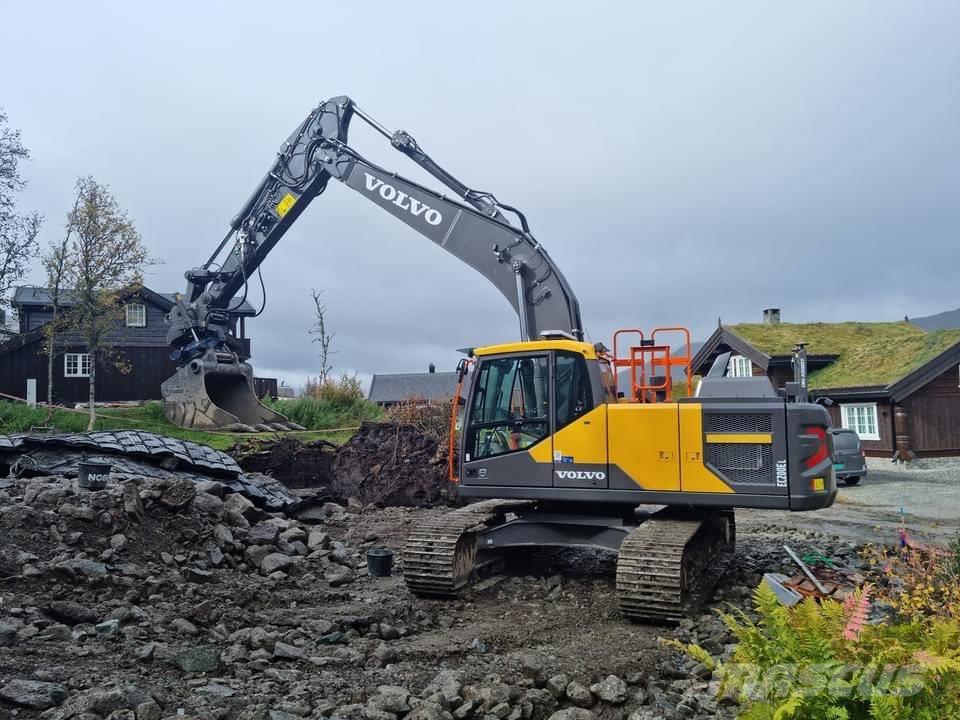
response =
{"points": [[553, 452]]}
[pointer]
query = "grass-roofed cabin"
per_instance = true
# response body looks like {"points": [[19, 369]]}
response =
{"points": [[897, 385]]}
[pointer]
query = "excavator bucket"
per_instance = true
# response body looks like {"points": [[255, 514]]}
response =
{"points": [[215, 392]]}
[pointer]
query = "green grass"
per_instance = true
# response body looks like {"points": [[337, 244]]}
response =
{"points": [[323, 413], [869, 353], [16, 417]]}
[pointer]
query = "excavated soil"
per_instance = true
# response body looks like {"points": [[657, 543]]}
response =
{"points": [[295, 463], [389, 464], [384, 464]]}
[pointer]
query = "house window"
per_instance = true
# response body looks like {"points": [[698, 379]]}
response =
{"points": [[136, 315], [862, 419], [76, 365], [739, 366]]}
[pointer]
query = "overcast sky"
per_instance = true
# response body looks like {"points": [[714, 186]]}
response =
{"points": [[680, 161]]}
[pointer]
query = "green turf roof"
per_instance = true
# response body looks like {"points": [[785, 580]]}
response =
{"points": [[869, 354]]}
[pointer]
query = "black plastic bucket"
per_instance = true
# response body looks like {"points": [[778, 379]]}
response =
{"points": [[379, 562], [93, 474]]}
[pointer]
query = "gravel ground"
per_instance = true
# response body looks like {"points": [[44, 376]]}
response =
{"points": [[162, 598], [928, 490]]}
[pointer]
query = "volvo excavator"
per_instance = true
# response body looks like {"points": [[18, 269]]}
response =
{"points": [[552, 453]]}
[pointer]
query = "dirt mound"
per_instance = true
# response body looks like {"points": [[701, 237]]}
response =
{"points": [[390, 464], [295, 463], [386, 463]]}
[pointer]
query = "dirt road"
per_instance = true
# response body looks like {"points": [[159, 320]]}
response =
{"points": [[928, 491]]}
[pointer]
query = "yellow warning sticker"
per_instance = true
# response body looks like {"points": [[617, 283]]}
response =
{"points": [[283, 207]]}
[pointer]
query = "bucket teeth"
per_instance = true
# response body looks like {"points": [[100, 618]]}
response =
{"points": [[239, 427]]}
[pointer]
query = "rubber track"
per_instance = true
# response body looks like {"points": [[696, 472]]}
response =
{"points": [[654, 558], [439, 555]]}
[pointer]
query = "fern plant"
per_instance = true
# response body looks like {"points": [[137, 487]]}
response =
{"points": [[820, 661]]}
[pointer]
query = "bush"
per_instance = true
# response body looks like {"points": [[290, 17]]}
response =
{"points": [[919, 582], [334, 404], [345, 390], [432, 419], [820, 661]]}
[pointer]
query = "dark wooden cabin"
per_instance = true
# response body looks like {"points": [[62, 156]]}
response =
{"points": [[139, 338], [894, 383]]}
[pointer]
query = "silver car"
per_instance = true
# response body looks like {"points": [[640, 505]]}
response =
{"points": [[849, 460]]}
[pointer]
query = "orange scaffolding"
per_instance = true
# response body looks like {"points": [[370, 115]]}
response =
{"points": [[651, 362]]}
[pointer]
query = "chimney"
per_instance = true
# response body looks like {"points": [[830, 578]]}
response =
{"points": [[432, 368], [771, 316]]}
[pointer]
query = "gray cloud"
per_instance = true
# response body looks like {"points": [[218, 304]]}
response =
{"points": [[679, 164]]}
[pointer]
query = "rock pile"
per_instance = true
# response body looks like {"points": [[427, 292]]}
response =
{"points": [[163, 597], [138, 454], [161, 580]]}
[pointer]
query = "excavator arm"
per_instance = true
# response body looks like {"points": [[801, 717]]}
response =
{"points": [[213, 387]]}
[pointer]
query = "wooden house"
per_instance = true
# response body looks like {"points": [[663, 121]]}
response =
{"points": [[895, 384], [139, 337]]}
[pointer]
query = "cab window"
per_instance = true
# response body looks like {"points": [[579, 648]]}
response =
{"points": [[572, 393], [510, 407], [609, 382]]}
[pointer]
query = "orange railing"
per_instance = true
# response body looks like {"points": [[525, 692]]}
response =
{"points": [[648, 360]]}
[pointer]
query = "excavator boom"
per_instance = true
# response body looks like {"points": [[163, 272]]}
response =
{"points": [[213, 387]]}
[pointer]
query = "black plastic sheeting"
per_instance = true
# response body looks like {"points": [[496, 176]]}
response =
{"points": [[134, 452], [131, 442]]}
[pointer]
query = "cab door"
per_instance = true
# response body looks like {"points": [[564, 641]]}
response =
{"points": [[507, 440], [580, 436]]}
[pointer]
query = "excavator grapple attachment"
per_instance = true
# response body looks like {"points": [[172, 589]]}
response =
{"points": [[215, 392]]}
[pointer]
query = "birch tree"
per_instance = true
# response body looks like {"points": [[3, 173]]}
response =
{"points": [[106, 260], [55, 263], [18, 232]]}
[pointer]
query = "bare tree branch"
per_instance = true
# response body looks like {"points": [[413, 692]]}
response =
{"points": [[321, 336], [18, 232]]}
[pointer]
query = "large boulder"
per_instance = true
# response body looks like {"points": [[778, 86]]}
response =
{"points": [[33, 693]]}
